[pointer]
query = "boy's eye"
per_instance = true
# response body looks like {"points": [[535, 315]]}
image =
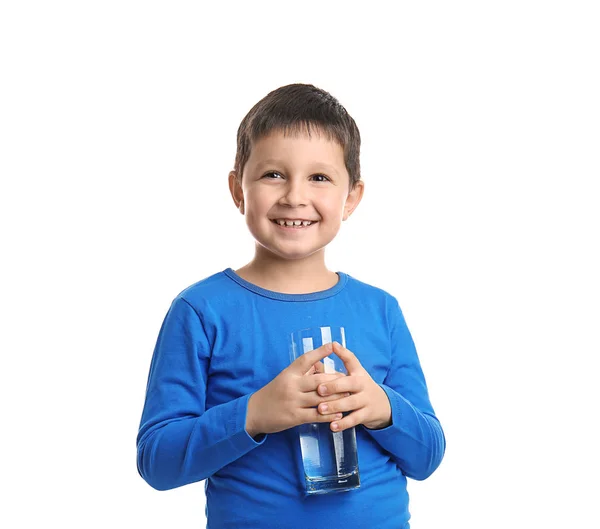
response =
{"points": [[320, 177], [272, 174], [316, 177]]}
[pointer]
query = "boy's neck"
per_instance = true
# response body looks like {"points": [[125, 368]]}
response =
{"points": [[289, 277]]}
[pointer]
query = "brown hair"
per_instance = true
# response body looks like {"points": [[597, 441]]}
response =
{"points": [[300, 108]]}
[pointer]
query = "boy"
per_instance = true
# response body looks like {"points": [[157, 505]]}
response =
{"points": [[222, 399]]}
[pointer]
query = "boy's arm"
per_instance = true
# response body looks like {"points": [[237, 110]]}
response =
{"points": [[179, 440], [415, 438]]}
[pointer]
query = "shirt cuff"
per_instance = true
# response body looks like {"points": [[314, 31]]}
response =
{"points": [[399, 406], [238, 426]]}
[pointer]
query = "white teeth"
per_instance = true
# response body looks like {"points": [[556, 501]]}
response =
{"points": [[293, 223]]}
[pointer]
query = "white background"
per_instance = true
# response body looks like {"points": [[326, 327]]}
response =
{"points": [[481, 132]]}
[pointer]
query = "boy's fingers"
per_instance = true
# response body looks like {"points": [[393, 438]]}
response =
{"points": [[312, 415], [312, 382], [350, 420], [340, 405], [319, 367], [346, 384], [312, 400], [348, 357], [311, 371], [316, 368], [304, 362]]}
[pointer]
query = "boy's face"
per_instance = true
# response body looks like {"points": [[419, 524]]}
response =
{"points": [[295, 178]]}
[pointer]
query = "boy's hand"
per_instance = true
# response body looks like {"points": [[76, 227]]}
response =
{"points": [[360, 395], [291, 398]]}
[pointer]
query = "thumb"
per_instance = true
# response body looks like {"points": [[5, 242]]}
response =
{"points": [[304, 362]]}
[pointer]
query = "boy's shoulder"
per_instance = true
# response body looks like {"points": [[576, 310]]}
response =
{"points": [[369, 290], [371, 298], [206, 288]]}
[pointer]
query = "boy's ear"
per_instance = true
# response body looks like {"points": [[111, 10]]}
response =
{"points": [[354, 198], [236, 191]]}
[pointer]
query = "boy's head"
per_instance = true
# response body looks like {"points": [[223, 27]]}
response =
{"points": [[300, 108]]}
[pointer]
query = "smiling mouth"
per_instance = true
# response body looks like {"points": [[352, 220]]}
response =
{"points": [[293, 223]]}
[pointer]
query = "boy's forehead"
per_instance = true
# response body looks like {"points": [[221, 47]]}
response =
{"points": [[311, 152], [281, 142], [298, 132]]}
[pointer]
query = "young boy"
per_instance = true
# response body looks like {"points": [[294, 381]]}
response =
{"points": [[222, 399]]}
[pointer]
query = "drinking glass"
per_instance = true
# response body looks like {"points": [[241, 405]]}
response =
{"points": [[330, 459]]}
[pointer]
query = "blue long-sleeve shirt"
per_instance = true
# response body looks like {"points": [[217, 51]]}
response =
{"points": [[223, 339]]}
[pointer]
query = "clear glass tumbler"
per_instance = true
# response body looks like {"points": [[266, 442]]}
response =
{"points": [[330, 459]]}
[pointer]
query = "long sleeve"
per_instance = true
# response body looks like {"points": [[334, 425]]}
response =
{"points": [[179, 440], [415, 439]]}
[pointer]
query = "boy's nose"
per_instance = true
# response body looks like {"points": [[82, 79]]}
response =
{"points": [[294, 195]]}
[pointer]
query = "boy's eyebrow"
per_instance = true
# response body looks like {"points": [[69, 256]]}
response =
{"points": [[273, 161]]}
